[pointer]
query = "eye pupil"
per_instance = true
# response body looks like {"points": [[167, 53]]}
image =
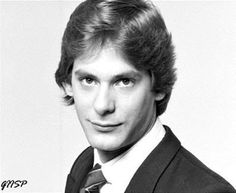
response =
{"points": [[89, 80], [126, 81]]}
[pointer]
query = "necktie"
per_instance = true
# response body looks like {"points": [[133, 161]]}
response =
{"points": [[94, 181]]}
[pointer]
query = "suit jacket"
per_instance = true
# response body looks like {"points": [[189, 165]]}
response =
{"points": [[170, 168]]}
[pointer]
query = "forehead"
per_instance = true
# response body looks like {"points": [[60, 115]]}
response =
{"points": [[108, 62]]}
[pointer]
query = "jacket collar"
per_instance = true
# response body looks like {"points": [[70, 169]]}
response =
{"points": [[148, 174], [81, 168]]}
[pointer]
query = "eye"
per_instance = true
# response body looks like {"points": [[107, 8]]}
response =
{"points": [[125, 82], [87, 81]]}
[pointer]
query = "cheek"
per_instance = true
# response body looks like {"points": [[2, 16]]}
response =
{"points": [[139, 113], [82, 105], [82, 98], [137, 104]]}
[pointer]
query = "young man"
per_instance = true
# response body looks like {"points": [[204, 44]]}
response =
{"points": [[117, 68]]}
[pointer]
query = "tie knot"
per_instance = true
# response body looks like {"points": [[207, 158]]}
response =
{"points": [[95, 179], [96, 167]]}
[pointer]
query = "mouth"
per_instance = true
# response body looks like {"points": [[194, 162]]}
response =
{"points": [[105, 127]]}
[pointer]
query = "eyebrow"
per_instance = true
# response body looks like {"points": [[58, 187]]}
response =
{"points": [[128, 74]]}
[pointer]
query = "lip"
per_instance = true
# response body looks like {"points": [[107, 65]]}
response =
{"points": [[105, 127]]}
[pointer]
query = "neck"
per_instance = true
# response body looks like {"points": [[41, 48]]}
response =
{"points": [[106, 156]]}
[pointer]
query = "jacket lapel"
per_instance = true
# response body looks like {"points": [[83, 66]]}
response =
{"points": [[83, 165], [148, 174]]}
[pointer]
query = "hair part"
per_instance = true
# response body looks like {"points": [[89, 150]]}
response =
{"points": [[133, 27]]}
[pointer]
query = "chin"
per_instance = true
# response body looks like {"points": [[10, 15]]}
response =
{"points": [[105, 141], [106, 146]]}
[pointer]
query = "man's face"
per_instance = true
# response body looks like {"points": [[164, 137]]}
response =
{"points": [[113, 100]]}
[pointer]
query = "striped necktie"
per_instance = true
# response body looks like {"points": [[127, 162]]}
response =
{"points": [[94, 180]]}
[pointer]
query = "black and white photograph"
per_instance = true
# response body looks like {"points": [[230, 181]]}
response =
{"points": [[117, 96]]}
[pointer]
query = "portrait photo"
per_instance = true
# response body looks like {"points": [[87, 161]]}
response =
{"points": [[133, 96]]}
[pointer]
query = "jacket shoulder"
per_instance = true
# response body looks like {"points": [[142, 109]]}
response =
{"points": [[187, 174]]}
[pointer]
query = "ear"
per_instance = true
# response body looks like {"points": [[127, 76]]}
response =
{"points": [[159, 96], [68, 89]]}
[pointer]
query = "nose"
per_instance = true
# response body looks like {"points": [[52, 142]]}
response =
{"points": [[104, 102]]}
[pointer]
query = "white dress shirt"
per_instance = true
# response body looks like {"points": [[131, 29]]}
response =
{"points": [[120, 170]]}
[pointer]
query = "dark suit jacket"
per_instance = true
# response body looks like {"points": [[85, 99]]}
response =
{"points": [[169, 168]]}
